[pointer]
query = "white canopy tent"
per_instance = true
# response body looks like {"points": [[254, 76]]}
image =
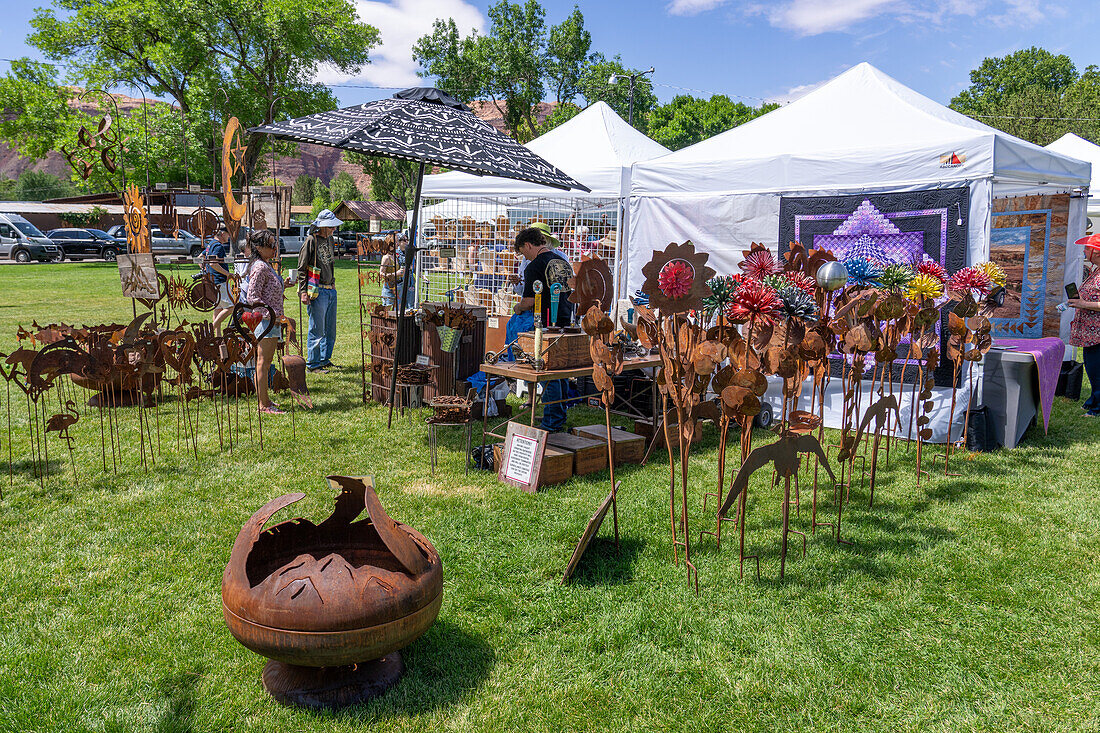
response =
{"points": [[596, 148], [1080, 148], [861, 132]]}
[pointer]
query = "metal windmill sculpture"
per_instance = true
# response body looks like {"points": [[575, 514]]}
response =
{"points": [[428, 127]]}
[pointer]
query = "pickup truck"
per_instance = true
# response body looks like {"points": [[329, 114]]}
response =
{"points": [[22, 241], [185, 245]]}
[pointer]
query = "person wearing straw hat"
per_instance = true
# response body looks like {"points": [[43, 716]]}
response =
{"points": [[317, 289], [1084, 330]]}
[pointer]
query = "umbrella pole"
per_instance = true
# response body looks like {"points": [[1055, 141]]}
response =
{"points": [[410, 260]]}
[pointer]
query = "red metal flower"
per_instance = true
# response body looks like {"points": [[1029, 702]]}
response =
{"points": [[969, 279], [802, 281], [754, 302], [759, 262], [932, 269], [675, 279]]}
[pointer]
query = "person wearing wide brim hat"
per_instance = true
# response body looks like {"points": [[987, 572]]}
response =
{"points": [[317, 290], [543, 227], [1084, 330]]}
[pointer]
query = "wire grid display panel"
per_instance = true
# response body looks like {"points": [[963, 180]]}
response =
{"points": [[467, 254]]}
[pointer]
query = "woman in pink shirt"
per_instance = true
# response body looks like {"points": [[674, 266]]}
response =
{"points": [[265, 287]]}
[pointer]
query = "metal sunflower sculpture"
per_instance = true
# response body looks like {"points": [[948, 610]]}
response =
{"points": [[676, 279]]}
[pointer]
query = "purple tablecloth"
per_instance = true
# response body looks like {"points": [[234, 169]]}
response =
{"points": [[1048, 353]]}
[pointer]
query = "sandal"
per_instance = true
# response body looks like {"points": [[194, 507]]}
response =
{"points": [[272, 410]]}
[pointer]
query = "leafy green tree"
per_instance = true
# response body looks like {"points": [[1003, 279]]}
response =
{"points": [[568, 53], [215, 58], [998, 80], [513, 64], [343, 188], [39, 186], [687, 120], [594, 87], [1027, 94], [302, 195], [390, 179], [562, 113], [36, 113]]}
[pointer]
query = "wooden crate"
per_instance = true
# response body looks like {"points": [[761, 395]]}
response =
{"points": [[629, 448], [557, 464], [468, 355], [563, 350], [645, 428], [410, 349], [589, 455]]}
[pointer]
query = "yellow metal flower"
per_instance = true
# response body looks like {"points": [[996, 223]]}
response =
{"points": [[924, 286], [995, 272]]}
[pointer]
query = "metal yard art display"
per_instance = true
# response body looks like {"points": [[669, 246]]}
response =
{"points": [[804, 319], [131, 371], [331, 604]]}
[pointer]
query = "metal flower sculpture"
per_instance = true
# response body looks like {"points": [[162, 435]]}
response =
{"points": [[607, 363], [593, 285], [676, 279], [137, 221]]}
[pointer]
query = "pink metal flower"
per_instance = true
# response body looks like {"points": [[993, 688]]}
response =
{"points": [[759, 263]]}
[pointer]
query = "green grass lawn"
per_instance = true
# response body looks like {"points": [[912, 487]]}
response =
{"points": [[968, 603]]}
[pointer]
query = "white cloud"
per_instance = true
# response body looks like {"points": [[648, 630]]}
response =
{"points": [[692, 7], [813, 17], [799, 91], [400, 23]]}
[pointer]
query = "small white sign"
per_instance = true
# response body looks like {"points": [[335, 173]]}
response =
{"points": [[494, 323], [422, 360], [521, 459]]}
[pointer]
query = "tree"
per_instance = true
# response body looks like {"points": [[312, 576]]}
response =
{"points": [[390, 179], [304, 186], [343, 188], [594, 87], [687, 120], [1026, 94], [39, 186], [215, 58], [562, 113], [567, 56], [512, 65], [998, 80]]}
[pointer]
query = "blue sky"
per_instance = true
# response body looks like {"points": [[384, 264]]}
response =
{"points": [[748, 48]]}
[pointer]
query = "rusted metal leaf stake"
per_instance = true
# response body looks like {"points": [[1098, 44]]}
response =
{"points": [[331, 604]]}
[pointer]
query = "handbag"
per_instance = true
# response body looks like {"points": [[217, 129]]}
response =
{"points": [[313, 276]]}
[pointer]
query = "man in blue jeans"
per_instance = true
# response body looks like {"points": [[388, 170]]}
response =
{"points": [[317, 289], [548, 267]]}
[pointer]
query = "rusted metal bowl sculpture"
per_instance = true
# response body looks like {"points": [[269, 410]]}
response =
{"points": [[331, 604]]}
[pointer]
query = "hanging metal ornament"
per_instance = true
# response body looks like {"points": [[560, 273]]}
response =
{"points": [[233, 154], [137, 222]]}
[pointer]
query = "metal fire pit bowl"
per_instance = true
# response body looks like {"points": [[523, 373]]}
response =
{"points": [[331, 604]]}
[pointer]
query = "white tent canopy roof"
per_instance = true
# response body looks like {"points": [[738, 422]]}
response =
{"points": [[596, 148], [1080, 148], [862, 128]]}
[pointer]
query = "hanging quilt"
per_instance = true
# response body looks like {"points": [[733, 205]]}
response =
{"points": [[888, 228], [1028, 239]]}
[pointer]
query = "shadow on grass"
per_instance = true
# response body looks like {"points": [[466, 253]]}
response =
{"points": [[602, 564], [443, 667], [179, 694]]}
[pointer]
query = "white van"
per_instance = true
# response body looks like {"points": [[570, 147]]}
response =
{"points": [[22, 241], [293, 237]]}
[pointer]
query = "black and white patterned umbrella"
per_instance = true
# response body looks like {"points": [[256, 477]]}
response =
{"points": [[428, 126]]}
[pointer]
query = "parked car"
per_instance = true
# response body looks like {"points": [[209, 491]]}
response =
{"points": [[186, 244], [22, 241], [86, 243]]}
